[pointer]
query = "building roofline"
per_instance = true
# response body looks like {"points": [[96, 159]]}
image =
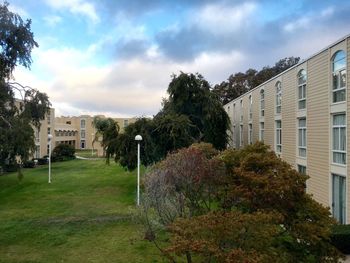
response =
{"points": [[296, 65]]}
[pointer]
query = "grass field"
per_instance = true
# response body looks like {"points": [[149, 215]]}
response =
{"points": [[84, 215]]}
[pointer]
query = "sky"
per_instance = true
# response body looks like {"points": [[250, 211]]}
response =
{"points": [[117, 57]]}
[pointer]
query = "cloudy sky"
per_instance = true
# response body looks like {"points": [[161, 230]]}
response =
{"points": [[116, 57]]}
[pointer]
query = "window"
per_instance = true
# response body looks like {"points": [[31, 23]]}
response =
{"points": [[126, 122], [234, 135], [302, 137], [37, 135], [48, 130], [278, 97], [339, 76], [37, 151], [82, 134], [49, 118], [82, 124], [48, 149], [302, 89], [240, 135], [250, 133], [278, 136], [262, 103], [241, 110], [250, 107], [234, 112], [262, 130], [338, 198], [82, 144], [302, 169], [339, 139]]}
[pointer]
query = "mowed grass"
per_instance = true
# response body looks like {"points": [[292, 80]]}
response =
{"points": [[87, 214]]}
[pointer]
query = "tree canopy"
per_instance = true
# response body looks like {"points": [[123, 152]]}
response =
{"points": [[17, 116], [239, 83], [191, 114]]}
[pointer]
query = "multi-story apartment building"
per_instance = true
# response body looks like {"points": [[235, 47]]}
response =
{"points": [[303, 114], [41, 134], [80, 132]]}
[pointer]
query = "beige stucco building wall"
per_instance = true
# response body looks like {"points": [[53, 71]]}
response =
{"points": [[83, 132], [319, 116], [41, 134]]}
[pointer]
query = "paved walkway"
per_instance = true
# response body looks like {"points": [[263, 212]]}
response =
{"points": [[85, 158]]}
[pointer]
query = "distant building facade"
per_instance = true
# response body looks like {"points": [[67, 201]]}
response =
{"points": [[303, 114], [80, 132]]}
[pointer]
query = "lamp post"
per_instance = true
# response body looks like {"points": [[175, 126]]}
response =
{"points": [[50, 141], [138, 138], [92, 144]]}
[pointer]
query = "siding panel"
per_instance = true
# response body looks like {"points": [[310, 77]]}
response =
{"points": [[289, 116], [318, 121]]}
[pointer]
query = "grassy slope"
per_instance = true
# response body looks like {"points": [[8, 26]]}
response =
{"points": [[83, 216]]}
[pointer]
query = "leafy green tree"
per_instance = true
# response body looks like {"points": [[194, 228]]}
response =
{"points": [[17, 116], [190, 95], [108, 129], [191, 114], [127, 146]]}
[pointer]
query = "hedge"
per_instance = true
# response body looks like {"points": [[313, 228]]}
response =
{"points": [[341, 238]]}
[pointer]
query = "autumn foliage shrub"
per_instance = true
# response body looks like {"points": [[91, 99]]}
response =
{"points": [[183, 185], [243, 205]]}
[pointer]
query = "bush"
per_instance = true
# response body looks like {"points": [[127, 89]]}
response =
{"points": [[29, 164], [341, 238], [63, 152], [42, 161]]}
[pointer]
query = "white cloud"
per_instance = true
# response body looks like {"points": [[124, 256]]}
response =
{"points": [[302, 22], [52, 20], [309, 20], [124, 88], [81, 7], [220, 18]]}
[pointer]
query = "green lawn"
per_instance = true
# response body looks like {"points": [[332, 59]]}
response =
{"points": [[84, 215]]}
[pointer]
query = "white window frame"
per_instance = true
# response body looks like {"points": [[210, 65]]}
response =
{"points": [[81, 144], [302, 88], [81, 124], [337, 74], [234, 112], [82, 134], [250, 107], [241, 111], [300, 168], [241, 135], [262, 103], [278, 88], [278, 136], [302, 141], [262, 131], [342, 205], [250, 133], [339, 127], [126, 121]]}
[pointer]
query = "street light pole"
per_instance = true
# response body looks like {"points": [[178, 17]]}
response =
{"points": [[138, 138], [50, 140]]}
